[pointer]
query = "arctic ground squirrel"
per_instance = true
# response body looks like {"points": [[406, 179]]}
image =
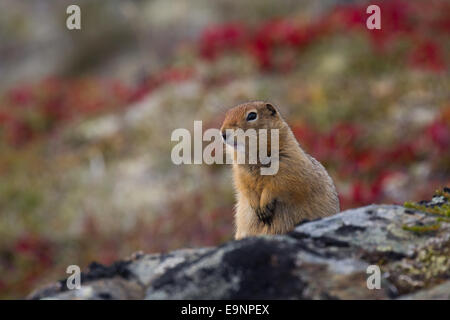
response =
{"points": [[274, 203]]}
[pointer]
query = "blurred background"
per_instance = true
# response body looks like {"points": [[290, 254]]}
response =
{"points": [[86, 116]]}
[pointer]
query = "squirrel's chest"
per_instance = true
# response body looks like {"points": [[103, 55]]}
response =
{"points": [[251, 186]]}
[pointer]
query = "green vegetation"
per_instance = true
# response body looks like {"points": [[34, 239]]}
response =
{"points": [[422, 229]]}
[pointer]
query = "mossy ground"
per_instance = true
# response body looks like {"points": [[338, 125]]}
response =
{"points": [[438, 206], [431, 265], [423, 229]]}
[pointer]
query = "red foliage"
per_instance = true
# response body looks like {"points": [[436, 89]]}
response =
{"points": [[439, 133], [400, 20], [274, 45], [428, 55], [35, 248], [218, 38], [20, 96], [346, 149], [352, 16], [54, 101]]}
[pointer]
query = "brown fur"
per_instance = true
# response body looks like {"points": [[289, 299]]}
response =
{"points": [[275, 204]]}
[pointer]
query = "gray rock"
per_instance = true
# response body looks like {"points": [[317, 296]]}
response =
{"points": [[149, 267], [322, 259], [439, 292]]}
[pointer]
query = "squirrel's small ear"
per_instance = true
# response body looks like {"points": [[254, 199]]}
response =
{"points": [[271, 108]]}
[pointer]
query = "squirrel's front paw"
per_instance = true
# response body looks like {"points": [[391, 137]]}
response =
{"points": [[265, 214]]}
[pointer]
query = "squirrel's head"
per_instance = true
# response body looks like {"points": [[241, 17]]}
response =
{"points": [[251, 115]]}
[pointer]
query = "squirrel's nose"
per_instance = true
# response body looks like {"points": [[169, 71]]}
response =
{"points": [[224, 136]]}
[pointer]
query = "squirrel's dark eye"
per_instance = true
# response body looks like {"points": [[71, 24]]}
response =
{"points": [[251, 116]]}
